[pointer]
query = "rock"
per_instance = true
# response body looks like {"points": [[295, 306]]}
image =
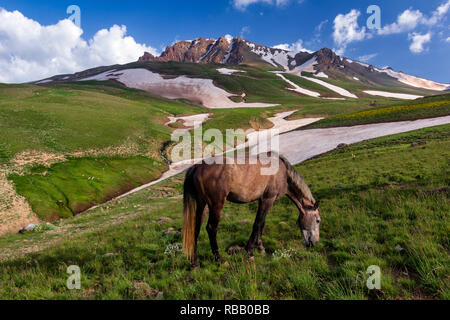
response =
{"points": [[235, 250], [184, 51], [37, 228], [418, 144], [243, 222], [143, 291], [108, 255], [29, 227], [398, 248], [163, 220], [170, 231]]}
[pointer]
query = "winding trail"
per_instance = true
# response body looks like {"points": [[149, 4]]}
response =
{"points": [[299, 146]]}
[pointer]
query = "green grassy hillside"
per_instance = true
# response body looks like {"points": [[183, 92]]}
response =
{"points": [[429, 107], [384, 203], [69, 145]]}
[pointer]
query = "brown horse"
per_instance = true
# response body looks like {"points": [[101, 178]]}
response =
{"points": [[212, 184]]}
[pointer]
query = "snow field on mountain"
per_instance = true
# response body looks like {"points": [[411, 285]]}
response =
{"points": [[298, 88], [202, 91], [393, 95]]}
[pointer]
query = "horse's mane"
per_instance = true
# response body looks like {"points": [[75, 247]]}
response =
{"points": [[296, 179]]}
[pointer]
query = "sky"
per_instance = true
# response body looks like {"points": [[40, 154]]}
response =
{"points": [[38, 40]]}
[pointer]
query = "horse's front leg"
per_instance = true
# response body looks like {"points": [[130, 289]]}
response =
{"points": [[256, 238], [261, 248]]}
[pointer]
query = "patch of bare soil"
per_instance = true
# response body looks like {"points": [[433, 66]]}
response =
{"points": [[31, 158], [15, 212]]}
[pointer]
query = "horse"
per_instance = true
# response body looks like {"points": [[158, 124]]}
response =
{"points": [[209, 186]]}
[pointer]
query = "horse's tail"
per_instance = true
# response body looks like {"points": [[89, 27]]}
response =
{"points": [[189, 215]]}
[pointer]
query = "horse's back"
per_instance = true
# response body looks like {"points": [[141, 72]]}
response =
{"points": [[240, 183]]}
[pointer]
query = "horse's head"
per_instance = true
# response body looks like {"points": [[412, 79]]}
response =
{"points": [[309, 222]]}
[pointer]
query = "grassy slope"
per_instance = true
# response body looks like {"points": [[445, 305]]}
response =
{"points": [[64, 118], [428, 107], [71, 187], [381, 206], [128, 125], [358, 87]]}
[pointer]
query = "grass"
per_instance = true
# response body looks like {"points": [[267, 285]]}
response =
{"points": [[429, 107], [68, 188], [384, 203], [310, 85], [104, 121], [106, 131]]}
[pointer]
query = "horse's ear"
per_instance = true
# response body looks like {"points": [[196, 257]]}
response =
{"points": [[317, 205]]}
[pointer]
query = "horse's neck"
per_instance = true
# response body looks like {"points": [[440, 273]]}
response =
{"points": [[295, 198]]}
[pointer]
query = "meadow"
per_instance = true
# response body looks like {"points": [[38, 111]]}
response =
{"points": [[384, 203], [428, 107], [69, 146]]}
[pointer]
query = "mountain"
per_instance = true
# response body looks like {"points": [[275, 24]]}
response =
{"points": [[235, 73], [324, 63]]}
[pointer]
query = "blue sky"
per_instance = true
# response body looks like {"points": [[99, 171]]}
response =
{"points": [[270, 22]]}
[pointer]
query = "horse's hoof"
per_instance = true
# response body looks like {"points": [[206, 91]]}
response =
{"points": [[195, 267]]}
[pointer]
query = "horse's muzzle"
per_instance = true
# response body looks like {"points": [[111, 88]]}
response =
{"points": [[308, 238]]}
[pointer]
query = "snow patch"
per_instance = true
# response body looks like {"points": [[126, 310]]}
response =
{"points": [[299, 89], [44, 81], [299, 146], [363, 64], [265, 54], [202, 91], [332, 87], [393, 95], [229, 38], [227, 71], [191, 122], [415, 81], [321, 75], [308, 66]]}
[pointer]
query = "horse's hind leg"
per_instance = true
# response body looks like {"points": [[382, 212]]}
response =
{"points": [[261, 248], [215, 213]]}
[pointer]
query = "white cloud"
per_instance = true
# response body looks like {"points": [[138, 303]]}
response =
{"points": [[321, 25], [243, 4], [406, 21], [418, 41], [367, 57], [30, 51], [448, 39], [409, 19], [245, 30], [294, 47], [438, 14], [347, 30]]}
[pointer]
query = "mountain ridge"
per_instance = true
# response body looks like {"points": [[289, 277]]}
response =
{"points": [[322, 63]]}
